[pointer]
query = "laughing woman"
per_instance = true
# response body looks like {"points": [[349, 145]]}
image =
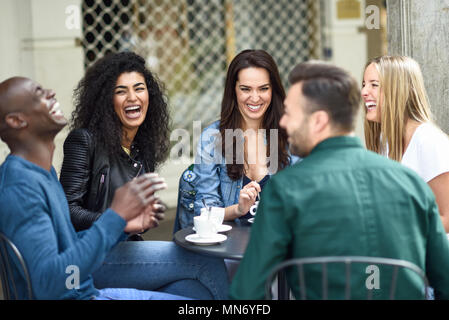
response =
{"points": [[119, 131], [398, 123]]}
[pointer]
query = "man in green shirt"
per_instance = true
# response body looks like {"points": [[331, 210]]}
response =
{"points": [[340, 200]]}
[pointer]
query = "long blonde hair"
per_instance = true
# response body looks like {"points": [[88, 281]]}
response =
{"points": [[404, 97]]}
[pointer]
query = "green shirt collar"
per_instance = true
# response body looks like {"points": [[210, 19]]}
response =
{"points": [[338, 142]]}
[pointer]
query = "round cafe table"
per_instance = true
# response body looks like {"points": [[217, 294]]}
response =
{"points": [[232, 248]]}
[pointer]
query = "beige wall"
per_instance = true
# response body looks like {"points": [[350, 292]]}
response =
{"points": [[35, 43], [348, 42]]}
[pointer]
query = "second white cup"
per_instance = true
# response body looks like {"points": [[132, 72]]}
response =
{"points": [[204, 227], [216, 215]]}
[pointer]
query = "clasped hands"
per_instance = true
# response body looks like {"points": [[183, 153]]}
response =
{"points": [[137, 203]]}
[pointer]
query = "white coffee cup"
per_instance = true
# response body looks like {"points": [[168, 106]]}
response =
{"points": [[204, 227], [216, 215]]}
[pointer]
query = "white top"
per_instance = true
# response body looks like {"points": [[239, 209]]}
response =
{"points": [[428, 152]]}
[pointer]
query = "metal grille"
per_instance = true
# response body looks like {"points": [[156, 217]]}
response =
{"points": [[189, 43]]}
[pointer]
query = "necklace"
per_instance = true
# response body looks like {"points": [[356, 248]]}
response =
{"points": [[128, 152]]}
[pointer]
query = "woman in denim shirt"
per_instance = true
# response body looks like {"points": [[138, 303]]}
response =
{"points": [[237, 154]]}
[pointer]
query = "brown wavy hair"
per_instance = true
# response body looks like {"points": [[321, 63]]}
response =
{"points": [[231, 117]]}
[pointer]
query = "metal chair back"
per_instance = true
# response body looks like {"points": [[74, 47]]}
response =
{"points": [[347, 261], [6, 269]]}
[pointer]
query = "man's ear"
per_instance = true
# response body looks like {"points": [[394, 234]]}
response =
{"points": [[15, 120], [320, 120]]}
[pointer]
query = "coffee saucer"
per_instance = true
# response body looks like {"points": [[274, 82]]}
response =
{"points": [[224, 228], [194, 238], [251, 220], [221, 228]]}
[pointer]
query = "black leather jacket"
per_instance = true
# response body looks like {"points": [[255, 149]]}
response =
{"points": [[90, 176]]}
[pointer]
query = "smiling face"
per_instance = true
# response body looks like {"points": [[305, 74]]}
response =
{"points": [[27, 111], [371, 93], [253, 91], [131, 101], [41, 111], [47, 101]]}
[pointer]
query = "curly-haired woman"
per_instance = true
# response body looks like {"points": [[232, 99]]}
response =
{"points": [[119, 131]]}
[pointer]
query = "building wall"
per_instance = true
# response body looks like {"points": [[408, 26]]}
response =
{"points": [[346, 39], [36, 43], [419, 29]]}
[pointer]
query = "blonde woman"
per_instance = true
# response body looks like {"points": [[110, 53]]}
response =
{"points": [[398, 123]]}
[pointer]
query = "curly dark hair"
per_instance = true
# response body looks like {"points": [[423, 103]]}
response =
{"points": [[94, 107]]}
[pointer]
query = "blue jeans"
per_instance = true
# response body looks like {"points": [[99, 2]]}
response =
{"points": [[164, 267], [134, 294]]}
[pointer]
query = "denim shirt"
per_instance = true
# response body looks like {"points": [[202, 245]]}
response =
{"points": [[213, 183]]}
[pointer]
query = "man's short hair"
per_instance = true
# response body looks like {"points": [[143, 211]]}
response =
{"points": [[329, 88]]}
